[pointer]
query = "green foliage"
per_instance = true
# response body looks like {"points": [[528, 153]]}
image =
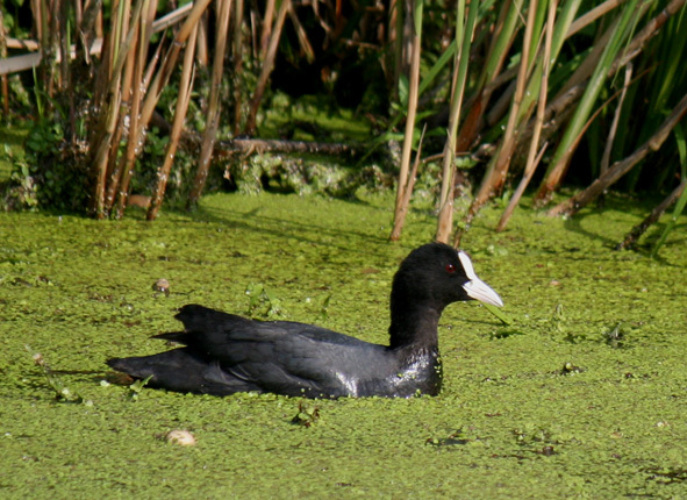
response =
{"points": [[304, 176], [505, 319], [21, 190], [324, 310], [49, 175], [136, 388], [180, 177], [457, 437], [542, 440], [615, 337], [308, 414], [21, 99], [262, 303], [62, 393]]}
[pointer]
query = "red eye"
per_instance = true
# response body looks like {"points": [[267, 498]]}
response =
{"points": [[450, 268]]}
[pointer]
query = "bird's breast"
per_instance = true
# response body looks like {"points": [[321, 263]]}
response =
{"points": [[420, 375]]}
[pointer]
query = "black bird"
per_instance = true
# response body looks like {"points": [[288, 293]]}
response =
{"points": [[224, 353]]}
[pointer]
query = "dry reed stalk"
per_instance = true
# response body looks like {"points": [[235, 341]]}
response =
{"points": [[172, 18], [51, 49], [152, 66], [591, 16], [393, 55], [445, 215], [267, 66], [405, 183], [3, 55], [41, 21], [534, 158], [168, 64], [138, 122], [136, 127], [38, 21], [266, 35], [400, 63], [303, 40], [101, 85], [109, 112], [202, 51], [631, 238], [87, 28], [501, 41], [115, 167], [606, 157], [413, 171], [615, 44], [185, 87], [620, 168], [214, 105], [464, 41], [494, 182], [237, 50], [65, 85], [495, 175]]}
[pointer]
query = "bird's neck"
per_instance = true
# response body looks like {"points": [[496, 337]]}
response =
{"points": [[414, 325]]}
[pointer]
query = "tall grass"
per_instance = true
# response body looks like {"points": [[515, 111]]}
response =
{"points": [[554, 70], [570, 85]]}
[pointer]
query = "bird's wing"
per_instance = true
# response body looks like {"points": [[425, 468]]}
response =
{"points": [[282, 356]]}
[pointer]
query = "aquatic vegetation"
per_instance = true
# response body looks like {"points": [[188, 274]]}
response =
{"points": [[136, 387], [62, 392], [523, 411], [308, 414], [262, 304]]}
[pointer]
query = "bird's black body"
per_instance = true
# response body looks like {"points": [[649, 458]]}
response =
{"points": [[224, 353]]}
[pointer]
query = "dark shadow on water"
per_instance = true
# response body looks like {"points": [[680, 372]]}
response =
{"points": [[646, 241], [76, 372], [574, 224], [281, 228], [639, 208]]}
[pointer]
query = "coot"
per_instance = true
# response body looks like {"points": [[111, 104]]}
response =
{"points": [[224, 353]]}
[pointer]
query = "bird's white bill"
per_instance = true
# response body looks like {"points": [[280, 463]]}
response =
{"points": [[476, 288], [479, 290]]}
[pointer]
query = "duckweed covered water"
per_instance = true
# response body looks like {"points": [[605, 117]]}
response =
{"points": [[584, 395]]}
